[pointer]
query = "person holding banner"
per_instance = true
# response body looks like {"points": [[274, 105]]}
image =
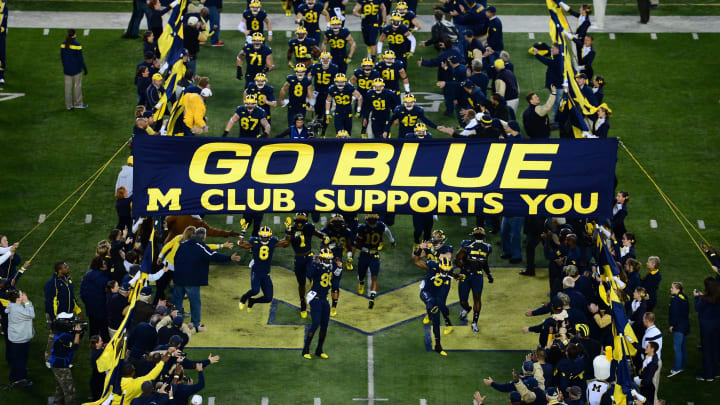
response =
{"points": [[249, 116]]}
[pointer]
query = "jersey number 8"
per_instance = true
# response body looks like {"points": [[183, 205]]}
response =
{"points": [[264, 252]]}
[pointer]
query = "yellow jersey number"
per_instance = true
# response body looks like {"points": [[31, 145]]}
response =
{"points": [[311, 17], [264, 251], [337, 43], [365, 83], [249, 123], [301, 51], [438, 280], [255, 59], [370, 9], [255, 25], [298, 90], [396, 39], [326, 279], [342, 99], [409, 120], [379, 104], [372, 239], [323, 78], [388, 74]]}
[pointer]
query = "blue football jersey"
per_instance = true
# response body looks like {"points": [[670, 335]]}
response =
{"points": [[262, 254]]}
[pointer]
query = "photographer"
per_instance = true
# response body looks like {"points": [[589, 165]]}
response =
{"points": [[20, 332], [131, 386], [67, 333], [298, 131], [59, 298], [183, 388]]}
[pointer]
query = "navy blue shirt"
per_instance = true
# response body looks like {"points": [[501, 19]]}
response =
{"points": [[72, 58], [249, 122], [302, 49], [342, 98], [322, 78], [59, 295], [255, 23], [262, 254], [256, 59], [92, 292], [192, 263], [337, 43], [390, 73], [408, 118]]}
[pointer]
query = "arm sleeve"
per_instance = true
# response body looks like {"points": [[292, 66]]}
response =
{"points": [[389, 234], [169, 246], [153, 373], [155, 276], [427, 121], [5, 257], [545, 309], [500, 87], [539, 375], [507, 387], [543, 110], [544, 60], [413, 42]]}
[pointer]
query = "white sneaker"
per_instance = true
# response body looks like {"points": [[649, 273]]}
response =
{"points": [[463, 314], [475, 328], [674, 373]]}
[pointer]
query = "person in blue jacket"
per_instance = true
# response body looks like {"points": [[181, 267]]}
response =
{"points": [[73, 65], [707, 305], [679, 320], [192, 265], [92, 293], [651, 281]]}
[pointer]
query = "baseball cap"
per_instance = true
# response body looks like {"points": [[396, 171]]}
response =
{"points": [[161, 309], [499, 63], [196, 400], [157, 76], [175, 340], [64, 315], [178, 320], [551, 392], [515, 397], [528, 367], [147, 387], [514, 125], [206, 92], [486, 119], [468, 33], [556, 303], [146, 291], [454, 59], [582, 330], [581, 76], [491, 9], [125, 287], [192, 20], [531, 382], [468, 84]]}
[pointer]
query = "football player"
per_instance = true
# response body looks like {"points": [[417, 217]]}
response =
{"points": [[473, 261], [308, 15], [408, 17], [322, 74], [436, 250], [264, 93], [300, 232], [369, 240], [392, 71], [259, 59], [302, 47], [437, 279], [254, 19], [342, 94], [337, 39], [249, 116], [380, 102], [407, 116], [363, 78], [372, 12], [299, 90], [399, 37], [262, 248], [322, 273], [341, 247]]}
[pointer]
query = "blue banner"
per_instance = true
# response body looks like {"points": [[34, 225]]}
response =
{"points": [[201, 175]]}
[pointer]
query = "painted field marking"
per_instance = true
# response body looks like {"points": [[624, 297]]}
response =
{"points": [[211, 401], [371, 375], [423, 401], [276, 220], [88, 218], [86, 32], [287, 34], [323, 221], [701, 224], [316, 401], [46, 31], [229, 220], [463, 222], [653, 223], [612, 35], [653, 36], [695, 36], [41, 218], [265, 401], [531, 35], [51, 400]]}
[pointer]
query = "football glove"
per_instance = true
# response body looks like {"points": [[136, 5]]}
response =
{"points": [[243, 226], [288, 224]]}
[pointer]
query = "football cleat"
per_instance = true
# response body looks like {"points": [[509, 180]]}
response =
{"points": [[426, 320], [371, 304], [448, 330], [307, 356], [361, 288], [463, 315], [323, 356], [440, 350], [303, 314], [333, 312], [475, 328], [241, 305]]}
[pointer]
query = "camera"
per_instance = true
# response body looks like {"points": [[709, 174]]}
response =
{"points": [[314, 127], [69, 325]]}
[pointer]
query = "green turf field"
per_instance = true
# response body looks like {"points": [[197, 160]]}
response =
{"points": [[664, 97], [520, 7]]}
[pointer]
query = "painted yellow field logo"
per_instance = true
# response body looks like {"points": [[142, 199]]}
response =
{"points": [[502, 313]]}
